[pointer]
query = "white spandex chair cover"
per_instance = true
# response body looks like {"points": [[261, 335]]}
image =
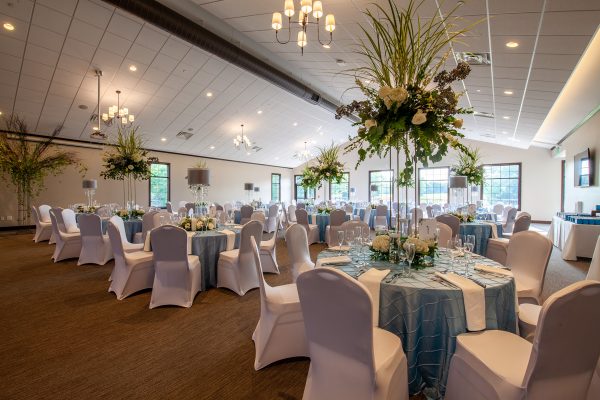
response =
{"points": [[349, 209], [258, 216], [429, 210], [381, 215], [177, 275], [158, 219], [169, 207], [235, 269], [367, 216], [352, 225], [445, 234], [268, 256], [95, 247], [558, 365], [418, 212], [272, 219], [497, 250], [246, 214], [147, 225], [510, 221], [227, 207], [450, 220], [521, 224], [528, 255], [298, 252], [133, 271], [279, 333], [68, 245], [292, 213], [286, 219], [336, 219], [43, 230], [350, 359], [505, 213], [301, 206], [498, 210], [127, 247], [594, 271], [70, 221], [312, 230], [45, 213]]}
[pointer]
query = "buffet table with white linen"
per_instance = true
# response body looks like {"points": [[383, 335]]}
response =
{"points": [[428, 312], [574, 240]]}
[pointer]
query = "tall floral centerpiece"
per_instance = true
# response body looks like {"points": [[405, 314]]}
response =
{"points": [[126, 160], [327, 168], [26, 163], [469, 165], [410, 106]]}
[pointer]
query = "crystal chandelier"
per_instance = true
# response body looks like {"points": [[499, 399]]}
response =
{"points": [[306, 6], [242, 140], [303, 155]]}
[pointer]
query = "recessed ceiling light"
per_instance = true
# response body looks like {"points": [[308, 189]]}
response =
{"points": [[321, 133], [340, 62], [212, 147], [164, 139], [248, 153], [506, 117], [209, 94], [504, 133], [478, 90], [259, 112], [313, 141], [512, 45], [8, 26], [509, 92], [132, 68], [277, 158], [82, 107], [295, 124], [326, 46]]}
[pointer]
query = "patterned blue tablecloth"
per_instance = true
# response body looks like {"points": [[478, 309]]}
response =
{"points": [[207, 246], [427, 314], [482, 232], [237, 216], [322, 220], [131, 226]]}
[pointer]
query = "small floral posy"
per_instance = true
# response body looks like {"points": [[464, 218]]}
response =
{"points": [[380, 248], [425, 250], [86, 209], [463, 217]]}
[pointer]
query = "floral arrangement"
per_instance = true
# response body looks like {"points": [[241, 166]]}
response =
{"points": [[137, 213], [424, 250], [380, 247], [126, 158], [463, 217], [85, 209], [328, 168], [130, 214], [410, 105], [324, 209], [469, 165], [202, 223]]}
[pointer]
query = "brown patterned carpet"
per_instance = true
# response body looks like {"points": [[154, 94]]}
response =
{"points": [[63, 336]]}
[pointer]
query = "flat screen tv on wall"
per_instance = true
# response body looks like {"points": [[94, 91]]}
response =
{"points": [[584, 169]]}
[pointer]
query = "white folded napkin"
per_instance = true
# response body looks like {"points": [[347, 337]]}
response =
{"points": [[340, 248], [335, 260], [495, 270], [230, 239], [372, 281], [494, 228], [473, 297]]}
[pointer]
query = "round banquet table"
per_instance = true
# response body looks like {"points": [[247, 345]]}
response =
{"points": [[482, 232], [322, 220], [207, 246], [427, 314], [132, 226]]}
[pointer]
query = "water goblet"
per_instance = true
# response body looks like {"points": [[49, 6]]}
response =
{"points": [[450, 248], [468, 254], [350, 237], [410, 250], [340, 237]]}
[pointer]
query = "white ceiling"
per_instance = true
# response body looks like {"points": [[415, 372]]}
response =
{"points": [[47, 70]]}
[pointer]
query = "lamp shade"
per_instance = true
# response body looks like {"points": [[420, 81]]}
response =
{"points": [[458, 182], [374, 188], [248, 186], [256, 189], [198, 176], [89, 184]]}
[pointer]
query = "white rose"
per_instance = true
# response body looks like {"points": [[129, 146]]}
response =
{"points": [[370, 123], [419, 118], [211, 226], [399, 95]]}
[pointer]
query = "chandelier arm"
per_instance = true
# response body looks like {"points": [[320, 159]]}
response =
{"points": [[319, 36], [289, 32]]}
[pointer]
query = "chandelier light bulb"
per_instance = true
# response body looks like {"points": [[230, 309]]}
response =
{"points": [[131, 118], [317, 9], [330, 23], [306, 6], [302, 39], [300, 18], [276, 22], [124, 120], [289, 8], [104, 117]]}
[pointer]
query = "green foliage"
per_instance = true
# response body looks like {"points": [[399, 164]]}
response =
{"points": [[469, 165], [328, 168], [127, 158]]}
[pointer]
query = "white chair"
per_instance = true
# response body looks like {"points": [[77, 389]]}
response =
{"points": [[498, 209], [133, 271], [497, 250], [445, 234], [336, 219], [417, 213], [45, 217], [70, 220], [429, 210], [127, 247], [528, 255], [169, 207], [452, 221], [558, 365], [68, 245], [272, 219], [312, 230], [594, 271], [505, 213], [235, 269], [520, 224], [279, 333], [298, 252], [147, 225], [291, 213], [246, 214], [177, 275], [510, 221], [43, 230], [258, 216], [268, 255], [381, 216], [354, 224], [301, 206], [95, 247], [367, 215], [350, 358]]}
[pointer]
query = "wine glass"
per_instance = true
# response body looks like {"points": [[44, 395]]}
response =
{"points": [[340, 237], [350, 237], [410, 255], [468, 253], [450, 247]]}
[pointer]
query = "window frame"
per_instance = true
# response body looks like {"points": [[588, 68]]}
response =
{"points": [[306, 191], [419, 183], [168, 178], [391, 182], [347, 183], [520, 164], [278, 184]]}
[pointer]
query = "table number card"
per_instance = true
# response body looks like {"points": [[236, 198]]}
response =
{"points": [[427, 229]]}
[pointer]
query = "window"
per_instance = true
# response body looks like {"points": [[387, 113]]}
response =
{"points": [[160, 187], [433, 185], [275, 187], [382, 182], [502, 184], [299, 192], [340, 191]]}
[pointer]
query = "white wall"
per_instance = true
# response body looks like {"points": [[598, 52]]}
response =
{"points": [[227, 180], [587, 136], [540, 187]]}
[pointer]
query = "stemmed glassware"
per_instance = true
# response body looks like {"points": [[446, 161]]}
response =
{"points": [[410, 255], [350, 238], [366, 241], [450, 248], [469, 246], [340, 238], [357, 242]]}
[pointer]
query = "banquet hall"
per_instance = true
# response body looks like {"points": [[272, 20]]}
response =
{"points": [[300, 199]]}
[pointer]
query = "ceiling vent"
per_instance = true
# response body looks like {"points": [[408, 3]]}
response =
{"points": [[488, 135], [474, 58], [483, 114], [256, 149], [184, 135]]}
